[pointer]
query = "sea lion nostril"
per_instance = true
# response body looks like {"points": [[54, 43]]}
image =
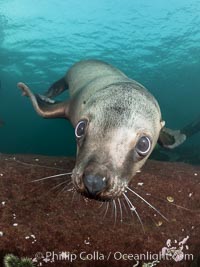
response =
{"points": [[94, 184]]}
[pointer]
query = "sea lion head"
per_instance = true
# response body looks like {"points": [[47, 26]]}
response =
{"points": [[116, 133]]}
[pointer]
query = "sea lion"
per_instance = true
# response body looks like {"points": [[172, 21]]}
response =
{"points": [[117, 124], [1, 123]]}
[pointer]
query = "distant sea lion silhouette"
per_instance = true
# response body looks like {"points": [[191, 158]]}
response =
{"points": [[117, 124], [1, 123]]}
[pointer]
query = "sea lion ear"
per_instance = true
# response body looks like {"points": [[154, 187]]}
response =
{"points": [[162, 124], [171, 138], [44, 106]]}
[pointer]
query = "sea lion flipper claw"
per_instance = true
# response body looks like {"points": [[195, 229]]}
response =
{"points": [[45, 106]]}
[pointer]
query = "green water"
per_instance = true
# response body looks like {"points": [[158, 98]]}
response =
{"points": [[154, 42]]}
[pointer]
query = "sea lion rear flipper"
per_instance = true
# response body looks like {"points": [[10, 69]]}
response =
{"points": [[45, 106], [56, 88], [172, 138], [192, 128]]}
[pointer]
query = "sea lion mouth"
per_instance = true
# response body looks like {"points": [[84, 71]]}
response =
{"points": [[106, 196], [96, 197], [100, 188]]}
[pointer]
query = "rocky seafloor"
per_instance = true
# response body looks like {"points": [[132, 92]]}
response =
{"points": [[53, 225]]}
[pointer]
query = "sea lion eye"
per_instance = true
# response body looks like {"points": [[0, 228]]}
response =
{"points": [[80, 129], [143, 146]]}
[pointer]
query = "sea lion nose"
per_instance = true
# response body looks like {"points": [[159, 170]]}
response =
{"points": [[94, 184]]}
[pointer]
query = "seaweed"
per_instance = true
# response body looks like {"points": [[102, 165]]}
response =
{"points": [[13, 261]]}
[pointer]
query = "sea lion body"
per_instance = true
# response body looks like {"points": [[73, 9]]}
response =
{"points": [[117, 124]]}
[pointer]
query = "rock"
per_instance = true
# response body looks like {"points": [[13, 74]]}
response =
{"points": [[64, 225]]}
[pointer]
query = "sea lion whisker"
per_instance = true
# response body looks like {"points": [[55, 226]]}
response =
{"points": [[120, 209], [106, 210], [144, 200], [178, 206], [125, 208], [54, 187], [164, 200], [115, 211], [73, 196], [52, 176], [58, 185], [35, 165], [133, 209], [101, 205], [65, 187]]}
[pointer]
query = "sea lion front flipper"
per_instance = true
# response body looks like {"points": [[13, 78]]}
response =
{"points": [[45, 106], [56, 88], [172, 138]]}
